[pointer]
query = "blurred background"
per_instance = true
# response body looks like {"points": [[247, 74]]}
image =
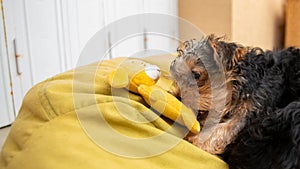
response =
{"points": [[41, 38]]}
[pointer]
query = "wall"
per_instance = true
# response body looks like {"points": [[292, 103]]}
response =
{"points": [[249, 22], [209, 16], [258, 23]]}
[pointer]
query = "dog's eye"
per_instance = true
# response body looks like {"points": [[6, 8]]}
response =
{"points": [[196, 75]]}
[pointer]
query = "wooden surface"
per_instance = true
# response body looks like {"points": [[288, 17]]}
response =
{"points": [[249, 22], [292, 32]]}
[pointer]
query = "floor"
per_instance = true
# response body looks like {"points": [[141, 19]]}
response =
{"points": [[3, 134]]}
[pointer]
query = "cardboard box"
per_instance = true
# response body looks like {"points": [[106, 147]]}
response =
{"points": [[249, 22], [292, 30]]}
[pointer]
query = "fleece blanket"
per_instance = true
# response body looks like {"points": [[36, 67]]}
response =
{"points": [[75, 120]]}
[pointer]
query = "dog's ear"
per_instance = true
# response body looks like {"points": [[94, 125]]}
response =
{"points": [[228, 54], [239, 55], [209, 50], [212, 39]]}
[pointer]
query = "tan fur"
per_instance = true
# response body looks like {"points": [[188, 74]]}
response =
{"points": [[199, 97]]}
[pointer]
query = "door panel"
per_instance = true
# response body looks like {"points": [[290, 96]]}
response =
{"points": [[44, 38], [6, 100], [163, 43], [50, 35], [11, 47], [119, 9]]}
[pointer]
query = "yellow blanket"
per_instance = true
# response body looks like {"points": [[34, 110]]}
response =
{"points": [[74, 120]]}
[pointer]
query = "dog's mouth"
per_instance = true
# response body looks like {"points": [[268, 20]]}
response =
{"points": [[201, 116]]}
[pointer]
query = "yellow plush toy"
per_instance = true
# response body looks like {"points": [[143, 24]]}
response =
{"points": [[141, 77]]}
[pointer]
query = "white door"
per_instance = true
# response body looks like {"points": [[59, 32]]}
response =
{"points": [[6, 99], [49, 35]]}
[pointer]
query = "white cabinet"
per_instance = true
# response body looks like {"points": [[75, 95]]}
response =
{"points": [[50, 34], [6, 99]]}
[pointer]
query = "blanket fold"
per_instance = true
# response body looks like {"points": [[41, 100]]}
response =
{"points": [[75, 120]]}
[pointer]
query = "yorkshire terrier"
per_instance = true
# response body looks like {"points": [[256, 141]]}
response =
{"points": [[248, 98]]}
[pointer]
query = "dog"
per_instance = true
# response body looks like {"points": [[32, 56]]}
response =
{"points": [[268, 143], [254, 113]]}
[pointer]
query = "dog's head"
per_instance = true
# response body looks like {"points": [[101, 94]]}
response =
{"points": [[201, 64]]}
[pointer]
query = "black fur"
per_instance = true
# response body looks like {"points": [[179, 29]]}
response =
{"points": [[271, 136], [271, 142], [260, 124]]}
